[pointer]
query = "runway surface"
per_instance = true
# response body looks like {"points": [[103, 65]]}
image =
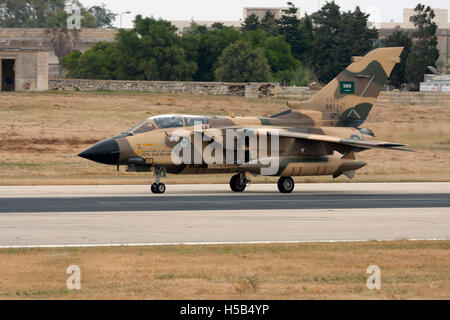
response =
{"points": [[98, 215]]}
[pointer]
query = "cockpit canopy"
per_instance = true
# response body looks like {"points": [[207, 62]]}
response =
{"points": [[167, 121]]}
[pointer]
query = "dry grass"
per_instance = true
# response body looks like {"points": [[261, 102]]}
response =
{"points": [[41, 132], [409, 270]]}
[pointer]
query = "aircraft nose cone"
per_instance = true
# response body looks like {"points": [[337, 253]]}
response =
{"points": [[106, 151]]}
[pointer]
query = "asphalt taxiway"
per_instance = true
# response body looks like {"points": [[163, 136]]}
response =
{"points": [[122, 215]]}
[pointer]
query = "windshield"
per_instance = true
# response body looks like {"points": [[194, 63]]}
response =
{"points": [[142, 127], [170, 121], [167, 121], [145, 127]]}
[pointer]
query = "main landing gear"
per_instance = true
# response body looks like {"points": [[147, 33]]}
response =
{"points": [[159, 187], [238, 182], [286, 184]]}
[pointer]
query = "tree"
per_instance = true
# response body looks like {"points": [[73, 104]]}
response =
{"points": [[306, 26], [354, 38], [28, 13], [239, 62], [327, 22], [103, 16], [269, 24], [255, 38], [424, 50], [150, 51], [211, 44], [289, 26], [217, 25], [62, 40], [278, 53], [99, 62], [399, 38], [196, 29], [251, 23], [50, 14], [337, 37]]}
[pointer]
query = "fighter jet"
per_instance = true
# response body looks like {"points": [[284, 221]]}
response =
{"points": [[317, 137]]}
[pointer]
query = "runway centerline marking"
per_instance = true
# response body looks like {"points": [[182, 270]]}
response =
{"points": [[285, 200]]}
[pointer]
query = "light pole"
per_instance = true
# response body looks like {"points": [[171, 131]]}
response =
{"points": [[126, 12]]}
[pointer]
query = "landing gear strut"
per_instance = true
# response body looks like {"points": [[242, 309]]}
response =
{"points": [[238, 182], [286, 184], [158, 187]]}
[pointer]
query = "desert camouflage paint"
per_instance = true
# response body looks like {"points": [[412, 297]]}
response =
{"points": [[316, 137]]}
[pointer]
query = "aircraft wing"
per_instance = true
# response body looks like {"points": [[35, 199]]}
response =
{"points": [[355, 143], [364, 144]]}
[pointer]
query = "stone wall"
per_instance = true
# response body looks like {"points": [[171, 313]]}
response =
{"points": [[250, 90], [385, 97], [296, 93], [414, 98]]}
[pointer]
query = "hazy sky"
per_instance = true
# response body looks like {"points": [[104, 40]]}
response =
{"points": [[231, 10]]}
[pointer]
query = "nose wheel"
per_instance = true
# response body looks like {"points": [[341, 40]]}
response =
{"points": [[286, 184], [158, 187]]}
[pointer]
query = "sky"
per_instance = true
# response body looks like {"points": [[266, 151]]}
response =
{"points": [[231, 10]]}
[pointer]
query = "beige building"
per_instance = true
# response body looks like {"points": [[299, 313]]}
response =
{"points": [[260, 12], [441, 19], [185, 25], [23, 69], [29, 38]]}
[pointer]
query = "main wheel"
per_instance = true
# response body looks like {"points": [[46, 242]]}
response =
{"points": [[235, 183], [158, 187], [286, 184]]}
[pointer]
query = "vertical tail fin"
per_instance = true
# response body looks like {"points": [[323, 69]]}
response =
{"points": [[349, 97]]}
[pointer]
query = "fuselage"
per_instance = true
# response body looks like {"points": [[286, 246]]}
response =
{"points": [[151, 144]]}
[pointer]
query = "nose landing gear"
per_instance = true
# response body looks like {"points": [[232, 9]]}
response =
{"points": [[158, 187]]}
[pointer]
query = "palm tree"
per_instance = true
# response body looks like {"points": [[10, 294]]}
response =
{"points": [[62, 39]]}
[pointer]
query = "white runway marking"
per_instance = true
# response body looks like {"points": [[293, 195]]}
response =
{"points": [[197, 243]]}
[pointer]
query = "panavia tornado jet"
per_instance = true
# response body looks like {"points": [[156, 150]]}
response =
{"points": [[316, 137]]}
